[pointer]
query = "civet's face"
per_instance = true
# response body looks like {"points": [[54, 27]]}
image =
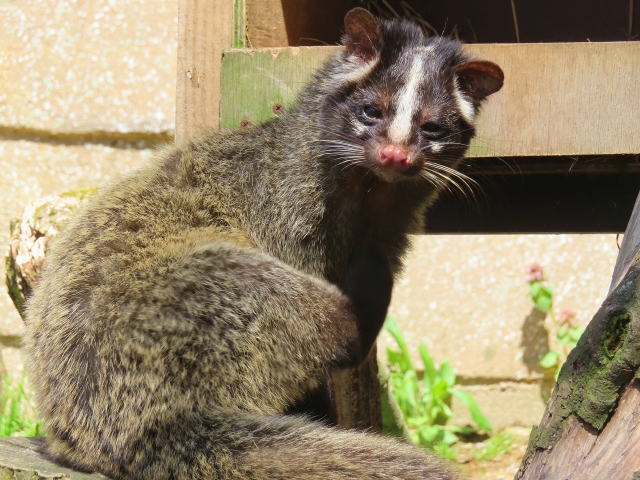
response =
{"points": [[405, 106]]}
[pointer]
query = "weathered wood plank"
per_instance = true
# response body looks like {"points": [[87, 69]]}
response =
{"points": [[629, 248], [283, 23], [558, 99], [205, 28], [265, 24], [356, 396], [253, 81], [24, 458]]}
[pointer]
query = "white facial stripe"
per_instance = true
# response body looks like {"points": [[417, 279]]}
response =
{"points": [[467, 110], [354, 73], [407, 102], [436, 147], [360, 129]]}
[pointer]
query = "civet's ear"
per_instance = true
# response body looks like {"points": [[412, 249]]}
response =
{"points": [[479, 79], [363, 38]]}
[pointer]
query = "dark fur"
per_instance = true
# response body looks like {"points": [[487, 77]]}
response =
{"points": [[194, 301]]}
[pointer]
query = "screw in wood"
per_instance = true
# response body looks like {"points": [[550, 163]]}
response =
{"points": [[245, 123], [278, 108]]}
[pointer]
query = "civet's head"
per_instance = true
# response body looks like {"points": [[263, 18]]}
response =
{"points": [[403, 105]]}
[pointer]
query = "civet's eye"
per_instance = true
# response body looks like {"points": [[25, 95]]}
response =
{"points": [[372, 113], [433, 131]]}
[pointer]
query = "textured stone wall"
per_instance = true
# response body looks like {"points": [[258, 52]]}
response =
{"points": [[467, 298], [87, 90]]}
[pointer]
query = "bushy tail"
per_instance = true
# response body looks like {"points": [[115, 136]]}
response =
{"points": [[234, 447]]}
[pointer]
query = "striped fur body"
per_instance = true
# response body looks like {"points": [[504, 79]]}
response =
{"points": [[193, 302]]}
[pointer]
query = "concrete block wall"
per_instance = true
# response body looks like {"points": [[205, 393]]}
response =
{"points": [[467, 299], [87, 91]]}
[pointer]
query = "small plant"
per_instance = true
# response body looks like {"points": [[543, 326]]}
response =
{"points": [[425, 402], [496, 446], [568, 331], [17, 414]]}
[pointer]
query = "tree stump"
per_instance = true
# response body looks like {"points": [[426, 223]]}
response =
{"points": [[41, 221], [589, 430]]}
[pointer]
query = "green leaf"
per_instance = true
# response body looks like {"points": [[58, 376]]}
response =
{"points": [[410, 391], [563, 331], [435, 412], [447, 437], [494, 447], [447, 373], [474, 409], [564, 340], [392, 327], [429, 365], [550, 359], [446, 451], [395, 358], [575, 333], [428, 434], [446, 410], [543, 303], [432, 434], [440, 389], [534, 289]]}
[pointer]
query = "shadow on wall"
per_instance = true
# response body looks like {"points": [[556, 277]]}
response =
{"points": [[535, 343]]}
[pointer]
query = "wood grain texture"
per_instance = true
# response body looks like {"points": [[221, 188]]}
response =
{"points": [[239, 24], [265, 24], [558, 99], [356, 396], [205, 28], [25, 458], [253, 82], [586, 454], [283, 23], [629, 248]]}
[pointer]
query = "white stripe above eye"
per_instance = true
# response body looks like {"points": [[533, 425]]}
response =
{"points": [[355, 71], [407, 103]]}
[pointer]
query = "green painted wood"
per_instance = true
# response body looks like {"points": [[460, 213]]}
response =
{"points": [[239, 24], [558, 99], [254, 80]]}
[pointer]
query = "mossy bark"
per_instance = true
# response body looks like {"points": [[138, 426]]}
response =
{"points": [[586, 397]]}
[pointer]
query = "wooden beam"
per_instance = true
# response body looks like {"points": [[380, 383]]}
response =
{"points": [[205, 28], [356, 396], [558, 99], [558, 203], [283, 23]]}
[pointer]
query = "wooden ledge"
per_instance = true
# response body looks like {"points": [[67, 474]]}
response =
{"points": [[558, 98], [24, 459]]}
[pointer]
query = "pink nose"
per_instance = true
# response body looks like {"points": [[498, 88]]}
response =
{"points": [[393, 157]]}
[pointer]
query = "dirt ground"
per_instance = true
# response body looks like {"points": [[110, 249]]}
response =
{"points": [[498, 468]]}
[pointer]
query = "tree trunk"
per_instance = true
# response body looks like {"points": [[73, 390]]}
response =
{"points": [[588, 430]]}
